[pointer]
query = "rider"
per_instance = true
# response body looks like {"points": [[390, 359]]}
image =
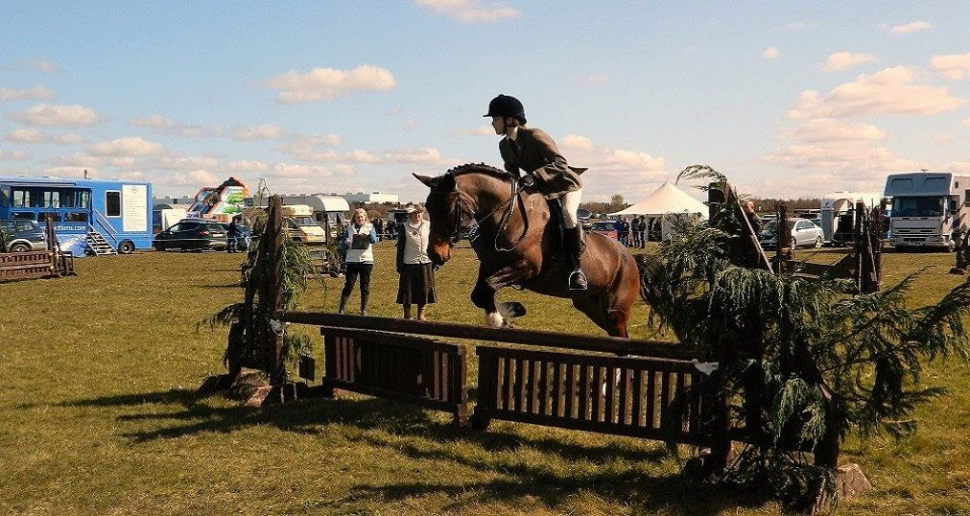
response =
{"points": [[535, 152]]}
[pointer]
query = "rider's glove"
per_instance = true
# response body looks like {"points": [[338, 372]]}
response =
{"points": [[528, 180]]}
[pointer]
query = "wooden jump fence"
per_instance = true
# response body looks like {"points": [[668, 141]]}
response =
{"points": [[50, 263], [646, 389]]}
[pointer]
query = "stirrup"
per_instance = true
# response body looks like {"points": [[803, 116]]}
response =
{"points": [[574, 280]]}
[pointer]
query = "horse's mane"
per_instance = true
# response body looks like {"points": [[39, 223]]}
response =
{"points": [[480, 168]]}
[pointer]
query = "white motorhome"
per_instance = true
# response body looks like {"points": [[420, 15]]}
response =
{"points": [[927, 207], [299, 223], [328, 211], [837, 214]]}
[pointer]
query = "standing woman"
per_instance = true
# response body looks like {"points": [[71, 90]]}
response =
{"points": [[416, 284], [359, 243]]}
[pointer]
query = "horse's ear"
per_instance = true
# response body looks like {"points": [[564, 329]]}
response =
{"points": [[429, 181], [441, 183]]}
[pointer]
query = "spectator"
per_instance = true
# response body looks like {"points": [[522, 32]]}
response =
{"points": [[642, 232], [624, 232], [232, 233], [416, 282], [358, 241], [753, 217]]}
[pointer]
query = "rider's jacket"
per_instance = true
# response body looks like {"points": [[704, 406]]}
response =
{"points": [[535, 151]]}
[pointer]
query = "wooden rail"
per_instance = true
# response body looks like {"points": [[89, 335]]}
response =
{"points": [[613, 345], [34, 265]]}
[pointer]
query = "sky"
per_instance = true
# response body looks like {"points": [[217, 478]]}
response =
{"points": [[788, 99]]}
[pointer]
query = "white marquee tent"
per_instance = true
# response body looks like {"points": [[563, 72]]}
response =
{"points": [[666, 200]]}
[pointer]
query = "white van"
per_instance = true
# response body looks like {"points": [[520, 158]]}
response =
{"points": [[299, 223]]}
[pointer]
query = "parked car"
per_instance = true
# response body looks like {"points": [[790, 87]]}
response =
{"points": [[192, 234], [23, 235], [605, 228], [804, 234]]}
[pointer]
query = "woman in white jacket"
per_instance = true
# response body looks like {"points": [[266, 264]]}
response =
{"points": [[359, 242], [416, 284]]}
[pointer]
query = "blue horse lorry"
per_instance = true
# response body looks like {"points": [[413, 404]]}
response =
{"points": [[90, 216]]}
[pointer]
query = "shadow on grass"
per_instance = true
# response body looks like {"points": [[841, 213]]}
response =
{"points": [[413, 432]]}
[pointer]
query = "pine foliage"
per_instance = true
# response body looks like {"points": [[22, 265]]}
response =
{"points": [[800, 359]]}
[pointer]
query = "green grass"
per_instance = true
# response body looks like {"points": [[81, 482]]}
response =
{"points": [[98, 415]]}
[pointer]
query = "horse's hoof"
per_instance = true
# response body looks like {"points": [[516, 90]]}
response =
{"points": [[511, 309], [494, 320]]}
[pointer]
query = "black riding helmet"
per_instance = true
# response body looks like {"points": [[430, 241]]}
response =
{"points": [[506, 105]]}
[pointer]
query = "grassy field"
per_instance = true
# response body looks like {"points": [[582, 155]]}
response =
{"points": [[98, 415]]}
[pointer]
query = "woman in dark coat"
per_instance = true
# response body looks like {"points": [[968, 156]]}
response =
{"points": [[416, 283]]}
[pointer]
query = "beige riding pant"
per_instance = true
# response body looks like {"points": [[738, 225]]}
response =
{"points": [[570, 205]]}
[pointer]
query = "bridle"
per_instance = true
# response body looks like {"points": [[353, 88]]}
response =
{"points": [[464, 217]]}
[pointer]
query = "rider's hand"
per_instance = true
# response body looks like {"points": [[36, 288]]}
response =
{"points": [[528, 180]]}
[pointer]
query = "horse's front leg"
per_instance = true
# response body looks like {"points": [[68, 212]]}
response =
{"points": [[483, 296]]}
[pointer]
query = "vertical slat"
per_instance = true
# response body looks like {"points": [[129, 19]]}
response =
{"points": [[681, 395], [584, 401], [695, 404], [517, 394], [609, 413], [542, 378], [528, 389], [651, 398], [556, 393], [329, 357], [506, 382], [597, 393], [624, 396], [664, 395], [571, 391], [637, 397]]}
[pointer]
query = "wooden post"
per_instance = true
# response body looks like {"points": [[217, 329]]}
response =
{"points": [[271, 297]]}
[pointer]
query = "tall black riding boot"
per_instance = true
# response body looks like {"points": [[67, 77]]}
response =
{"points": [[575, 245], [343, 304]]}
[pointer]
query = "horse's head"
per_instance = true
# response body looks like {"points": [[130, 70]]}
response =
{"points": [[446, 215]]}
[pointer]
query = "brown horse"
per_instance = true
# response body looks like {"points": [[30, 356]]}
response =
{"points": [[517, 245]]}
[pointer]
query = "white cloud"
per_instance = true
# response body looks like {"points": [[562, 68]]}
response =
{"points": [[313, 148], [291, 170], [57, 116], [127, 147], [830, 129], [469, 11], [164, 125], [43, 66], [247, 166], [262, 132], [31, 135], [36, 93], [195, 178], [15, 155], [959, 167], [328, 84], [173, 161], [799, 25], [770, 53], [844, 60], [911, 27], [889, 91], [844, 153], [422, 155], [942, 138], [482, 130], [596, 80], [611, 170], [966, 122], [78, 160], [953, 66]]}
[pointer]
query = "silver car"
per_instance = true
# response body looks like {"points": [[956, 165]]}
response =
{"points": [[804, 233]]}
